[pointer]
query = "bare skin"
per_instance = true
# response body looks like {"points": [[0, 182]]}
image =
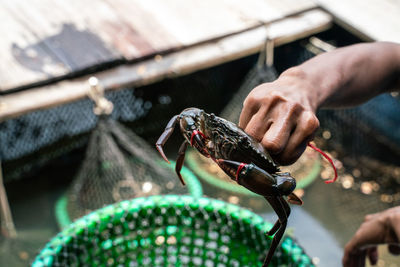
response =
{"points": [[281, 115], [378, 228]]}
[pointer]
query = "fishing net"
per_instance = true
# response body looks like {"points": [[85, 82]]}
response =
{"points": [[31, 142], [365, 141], [168, 231], [118, 165]]}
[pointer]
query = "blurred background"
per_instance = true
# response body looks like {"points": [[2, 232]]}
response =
{"points": [[69, 147]]}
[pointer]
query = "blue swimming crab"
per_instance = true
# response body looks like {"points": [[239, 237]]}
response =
{"points": [[241, 157]]}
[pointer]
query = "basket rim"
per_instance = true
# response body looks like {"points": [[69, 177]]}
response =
{"points": [[114, 212]]}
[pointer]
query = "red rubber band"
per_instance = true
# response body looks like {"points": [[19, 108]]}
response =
{"points": [[194, 133], [241, 166], [329, 159]]}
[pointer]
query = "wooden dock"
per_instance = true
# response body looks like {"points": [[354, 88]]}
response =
{"points": [[50, 48]]}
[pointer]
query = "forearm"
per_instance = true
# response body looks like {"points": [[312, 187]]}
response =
{"points": [[350, 75]]}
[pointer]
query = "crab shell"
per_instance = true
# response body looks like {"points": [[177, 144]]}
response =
{"points": [[225, 140]]}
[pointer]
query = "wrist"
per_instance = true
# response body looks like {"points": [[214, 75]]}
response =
{"points": [[319, 85], [304, 85]]}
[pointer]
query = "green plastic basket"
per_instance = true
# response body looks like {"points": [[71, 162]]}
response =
{"points": [[168, 230]]}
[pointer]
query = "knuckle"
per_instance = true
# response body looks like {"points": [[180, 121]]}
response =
{"points": [[393, 218], [249, 101], [252, 132], [276, 97], [295, 106], [311, 122], [291, 156], [272, 146]]}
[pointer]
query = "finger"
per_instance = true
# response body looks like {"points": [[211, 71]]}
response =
{"points": [[346, 259], [304, 132], [292, 152], [361, 258], [351, 259], [394, 249], [373, 255], [350, 254], [370, 217], [250, 108], [277, 136], [370, 233], [258, 125]]}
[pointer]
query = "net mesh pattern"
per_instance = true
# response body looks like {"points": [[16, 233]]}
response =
{"points": [[118, 165], [168, 231], [257, 75], [32, 140]]}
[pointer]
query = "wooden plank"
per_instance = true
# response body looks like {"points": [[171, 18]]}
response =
{"points": [[65, 34], [377, 20], [192, 22], [22, 57], [175, 64], [141, 30], [70, 36], [100, 18]]}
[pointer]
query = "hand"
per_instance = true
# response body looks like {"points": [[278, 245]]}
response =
{"points": [[378, 228], [281, 116]]}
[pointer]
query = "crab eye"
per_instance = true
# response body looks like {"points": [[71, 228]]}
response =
{"points": [[187, 124]]}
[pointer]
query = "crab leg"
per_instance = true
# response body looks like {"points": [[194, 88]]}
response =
{"points": [[278, 223], [279, 208], [165, 135], [180, 159]]}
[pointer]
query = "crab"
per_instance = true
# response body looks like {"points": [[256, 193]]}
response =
{"points": [[241, 157]]}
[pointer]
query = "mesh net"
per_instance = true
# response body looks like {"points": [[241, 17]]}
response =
{"points": [[32, 141], [168, 231], [365, 141], [118, 165], [257, 75]]}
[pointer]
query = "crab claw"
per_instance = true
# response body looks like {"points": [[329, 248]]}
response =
{"points": [[232, 168], [250, 176]]}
